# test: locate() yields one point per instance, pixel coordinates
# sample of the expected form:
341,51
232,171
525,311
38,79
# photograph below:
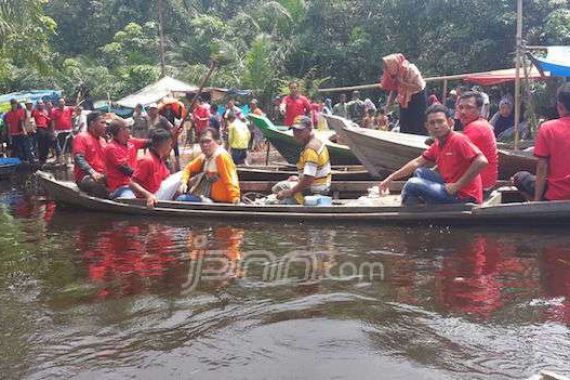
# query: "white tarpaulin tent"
154,92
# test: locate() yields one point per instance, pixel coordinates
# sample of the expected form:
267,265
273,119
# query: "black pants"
44,142
412,118
96,189
525,183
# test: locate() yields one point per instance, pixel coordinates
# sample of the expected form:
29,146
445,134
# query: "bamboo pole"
444,95
161,39
377,86
517,72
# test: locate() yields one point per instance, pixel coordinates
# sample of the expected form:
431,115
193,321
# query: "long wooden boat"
280,173
379,150
492,212
282,139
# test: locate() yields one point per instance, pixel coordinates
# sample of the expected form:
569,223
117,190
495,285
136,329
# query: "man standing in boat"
294,104
480,132
552,148
459,163
314,166
88,157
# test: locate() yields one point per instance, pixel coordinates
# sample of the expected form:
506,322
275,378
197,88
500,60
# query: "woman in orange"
212,175
404,79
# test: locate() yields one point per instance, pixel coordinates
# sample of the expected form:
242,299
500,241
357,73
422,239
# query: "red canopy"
491,78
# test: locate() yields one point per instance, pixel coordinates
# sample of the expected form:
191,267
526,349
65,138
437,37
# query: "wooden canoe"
280,173
493,212
379,150
282,139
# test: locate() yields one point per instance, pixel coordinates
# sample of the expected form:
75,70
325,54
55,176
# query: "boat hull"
387,150
283,141
538,213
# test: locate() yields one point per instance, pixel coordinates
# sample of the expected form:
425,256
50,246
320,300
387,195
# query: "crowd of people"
112,169
32,130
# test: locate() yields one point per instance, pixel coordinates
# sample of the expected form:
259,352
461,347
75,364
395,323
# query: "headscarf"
401,76
369,105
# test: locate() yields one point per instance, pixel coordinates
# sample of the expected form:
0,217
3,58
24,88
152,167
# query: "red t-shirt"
553,143
295,107
453,158
117,155
14,121
480,132
150,172
62,118
91,148
204,113
41,117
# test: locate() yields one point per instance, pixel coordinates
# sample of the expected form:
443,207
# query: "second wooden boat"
379,150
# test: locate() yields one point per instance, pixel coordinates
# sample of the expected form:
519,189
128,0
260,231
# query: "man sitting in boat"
480,132
212,175
459,163
151,170
121,159
314,166
89,163
552,148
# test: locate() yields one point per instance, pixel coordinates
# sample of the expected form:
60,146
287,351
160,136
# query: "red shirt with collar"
116,155
91,148
62,118
480,132
553,143
41,117
453,158
201,112
150,172
14,121
295,107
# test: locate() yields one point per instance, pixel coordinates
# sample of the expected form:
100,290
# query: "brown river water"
87,295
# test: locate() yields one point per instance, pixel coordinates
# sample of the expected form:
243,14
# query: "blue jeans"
427,186
123,192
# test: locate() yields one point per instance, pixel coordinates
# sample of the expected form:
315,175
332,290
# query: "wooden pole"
517,72
376,86
161,39
444,95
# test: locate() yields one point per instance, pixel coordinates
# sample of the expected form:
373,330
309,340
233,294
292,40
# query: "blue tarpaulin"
32,95
557,61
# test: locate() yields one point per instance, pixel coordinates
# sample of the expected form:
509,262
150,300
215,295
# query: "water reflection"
96,295
555,278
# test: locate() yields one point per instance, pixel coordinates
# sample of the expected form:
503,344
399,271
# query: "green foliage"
111,46
557,27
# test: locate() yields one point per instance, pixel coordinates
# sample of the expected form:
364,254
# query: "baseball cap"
152,105
301,122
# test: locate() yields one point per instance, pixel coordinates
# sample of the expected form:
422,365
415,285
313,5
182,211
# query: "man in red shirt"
459,163
62,124
294,104
480,132
201,116
552,148
121,159
41,116
14,120
152,170
89,168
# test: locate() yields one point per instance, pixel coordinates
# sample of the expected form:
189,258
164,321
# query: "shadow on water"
92,295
